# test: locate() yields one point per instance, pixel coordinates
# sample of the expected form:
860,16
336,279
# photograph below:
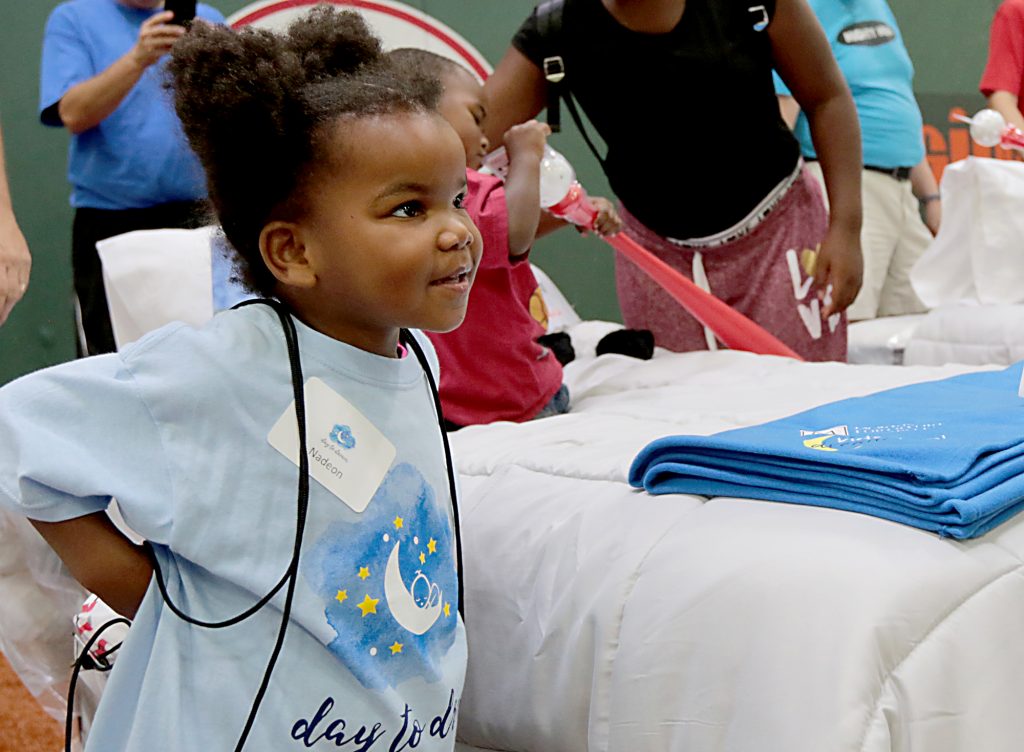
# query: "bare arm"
805,62
89,103
516,92
101,558
15,261
525,144
926,189
1007,105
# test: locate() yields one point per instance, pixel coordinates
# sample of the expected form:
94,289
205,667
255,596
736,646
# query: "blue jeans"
559,404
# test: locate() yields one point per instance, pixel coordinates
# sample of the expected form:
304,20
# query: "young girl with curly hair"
340,188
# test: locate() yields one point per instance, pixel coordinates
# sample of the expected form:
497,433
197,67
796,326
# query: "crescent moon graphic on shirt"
403,605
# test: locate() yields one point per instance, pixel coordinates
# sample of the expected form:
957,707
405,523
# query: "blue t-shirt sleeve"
76,435
66,62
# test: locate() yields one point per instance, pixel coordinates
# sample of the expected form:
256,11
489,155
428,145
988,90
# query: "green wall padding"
947,40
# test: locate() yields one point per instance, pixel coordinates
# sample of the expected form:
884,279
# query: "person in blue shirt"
897,181
340,189
129,166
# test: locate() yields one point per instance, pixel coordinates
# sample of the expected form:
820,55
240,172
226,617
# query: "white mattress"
881,341
600,618
968,333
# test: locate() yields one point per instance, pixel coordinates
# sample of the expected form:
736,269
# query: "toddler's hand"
526,140
608,221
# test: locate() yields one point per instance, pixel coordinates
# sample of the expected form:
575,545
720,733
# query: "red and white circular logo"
397,24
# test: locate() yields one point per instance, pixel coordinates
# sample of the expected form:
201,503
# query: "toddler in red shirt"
492,367
1003,80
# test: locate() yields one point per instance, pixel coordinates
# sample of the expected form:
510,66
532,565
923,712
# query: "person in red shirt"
492,367
1003,80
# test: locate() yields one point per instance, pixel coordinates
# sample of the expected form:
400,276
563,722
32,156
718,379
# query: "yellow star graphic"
432,546
423,558
447,609
396,648
399,523
342,596
364,572
368,606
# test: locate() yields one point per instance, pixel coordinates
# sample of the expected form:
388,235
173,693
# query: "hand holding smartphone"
184,11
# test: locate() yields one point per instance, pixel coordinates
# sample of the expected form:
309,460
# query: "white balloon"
987,128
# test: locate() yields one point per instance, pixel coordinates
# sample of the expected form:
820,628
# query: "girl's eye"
460,200
408,209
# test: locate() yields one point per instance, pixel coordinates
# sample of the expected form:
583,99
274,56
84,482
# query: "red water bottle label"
1012,138
575,208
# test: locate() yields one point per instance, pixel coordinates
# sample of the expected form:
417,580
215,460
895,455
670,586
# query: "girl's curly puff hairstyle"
259,107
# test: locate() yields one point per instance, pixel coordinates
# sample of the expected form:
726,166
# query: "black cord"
302,503
422,358
83,656
292,342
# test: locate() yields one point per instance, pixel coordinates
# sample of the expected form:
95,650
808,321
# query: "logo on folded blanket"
843,437
819,439
388,582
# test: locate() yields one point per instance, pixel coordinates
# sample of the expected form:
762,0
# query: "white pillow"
561,314
971,334
154,277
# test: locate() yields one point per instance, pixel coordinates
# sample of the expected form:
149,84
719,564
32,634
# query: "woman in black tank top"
691,83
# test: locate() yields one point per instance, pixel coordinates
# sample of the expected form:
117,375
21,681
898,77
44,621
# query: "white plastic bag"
978,255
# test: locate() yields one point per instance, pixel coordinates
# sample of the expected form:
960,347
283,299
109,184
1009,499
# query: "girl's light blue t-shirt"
175,427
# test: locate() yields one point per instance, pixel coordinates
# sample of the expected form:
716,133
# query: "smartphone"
184,11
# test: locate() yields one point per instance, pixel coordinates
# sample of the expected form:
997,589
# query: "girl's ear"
284,253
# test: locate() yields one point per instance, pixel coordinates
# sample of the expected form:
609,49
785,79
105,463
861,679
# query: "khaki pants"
892,239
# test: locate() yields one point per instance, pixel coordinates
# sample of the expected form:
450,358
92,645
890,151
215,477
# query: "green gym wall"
947,40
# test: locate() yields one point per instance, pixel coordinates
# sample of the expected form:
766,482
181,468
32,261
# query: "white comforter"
601,618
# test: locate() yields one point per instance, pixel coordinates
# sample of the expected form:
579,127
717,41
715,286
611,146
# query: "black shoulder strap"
549,25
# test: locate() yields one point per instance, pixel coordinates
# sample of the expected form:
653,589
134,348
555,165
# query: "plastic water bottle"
560,193
989,128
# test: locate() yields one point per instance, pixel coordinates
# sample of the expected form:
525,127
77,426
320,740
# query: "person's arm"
516,92
1007,105
525,145
926,190
805,62
89,103
15,260
101,558
1004,69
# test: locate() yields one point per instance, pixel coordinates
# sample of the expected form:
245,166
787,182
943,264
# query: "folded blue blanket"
946,456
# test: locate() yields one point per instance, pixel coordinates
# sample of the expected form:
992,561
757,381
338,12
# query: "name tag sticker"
348,455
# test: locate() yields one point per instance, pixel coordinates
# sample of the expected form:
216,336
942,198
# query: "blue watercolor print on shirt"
388,583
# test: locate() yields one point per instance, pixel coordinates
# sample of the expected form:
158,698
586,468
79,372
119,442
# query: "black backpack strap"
549,24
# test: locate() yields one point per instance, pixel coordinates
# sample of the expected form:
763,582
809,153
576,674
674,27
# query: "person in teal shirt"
897,180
